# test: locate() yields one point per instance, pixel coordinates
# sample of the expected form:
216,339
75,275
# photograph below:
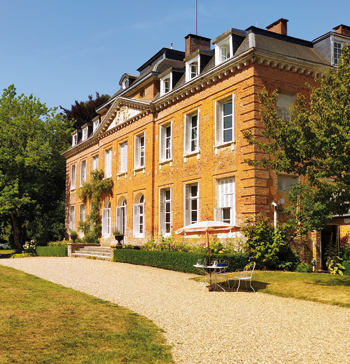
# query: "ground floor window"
121,216
106,218
225,201
165,211
191,203
139,215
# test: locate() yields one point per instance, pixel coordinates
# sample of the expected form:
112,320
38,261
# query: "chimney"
195,42
279,26
342,29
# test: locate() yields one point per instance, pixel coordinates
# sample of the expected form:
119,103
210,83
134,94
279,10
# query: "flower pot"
119,238
74,238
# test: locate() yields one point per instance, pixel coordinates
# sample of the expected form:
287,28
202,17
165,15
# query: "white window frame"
85,133
74,139
108,163
96,123
121,211
226,199
163,84
188,133
82,215
166,142
106,218
283,103
73,176
219,53
189,199
336,52
83,166
123,157
219,120
140,151
72,217
139,217
165,210
189,68
95,162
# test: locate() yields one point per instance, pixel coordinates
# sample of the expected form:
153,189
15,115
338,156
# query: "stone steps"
94,252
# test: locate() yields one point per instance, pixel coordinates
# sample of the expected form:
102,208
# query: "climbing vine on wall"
94,191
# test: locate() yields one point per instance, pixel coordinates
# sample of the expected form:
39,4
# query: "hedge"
346,264
51,251
180,262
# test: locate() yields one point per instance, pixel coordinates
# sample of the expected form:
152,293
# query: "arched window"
106,218
139,215
121,215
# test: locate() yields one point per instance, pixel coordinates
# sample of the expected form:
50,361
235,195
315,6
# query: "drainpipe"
274,215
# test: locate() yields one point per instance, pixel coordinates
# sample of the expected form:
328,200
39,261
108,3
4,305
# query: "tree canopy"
314,143
32,169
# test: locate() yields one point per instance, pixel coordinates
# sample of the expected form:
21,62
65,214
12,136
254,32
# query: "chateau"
171,136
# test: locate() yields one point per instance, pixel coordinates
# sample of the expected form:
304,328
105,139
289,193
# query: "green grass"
7,252
41,322
317,287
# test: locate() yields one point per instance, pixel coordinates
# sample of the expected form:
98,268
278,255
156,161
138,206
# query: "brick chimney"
342,29
279,26
195,42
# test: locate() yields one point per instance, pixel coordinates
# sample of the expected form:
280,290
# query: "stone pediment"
123,114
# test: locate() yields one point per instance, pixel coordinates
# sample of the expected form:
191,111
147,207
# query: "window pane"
194,190
228,109
228,135
228,122
194,216
167,195
226,215
194,204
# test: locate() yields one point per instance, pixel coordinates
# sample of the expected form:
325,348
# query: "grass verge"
41,322
317,287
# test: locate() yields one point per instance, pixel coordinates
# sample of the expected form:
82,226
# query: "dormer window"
96,124
125,83
75,140
192,68
166,84
85,133
223,50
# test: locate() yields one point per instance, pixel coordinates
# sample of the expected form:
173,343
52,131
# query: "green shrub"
51,251
346,265
58,243
303,267
177,261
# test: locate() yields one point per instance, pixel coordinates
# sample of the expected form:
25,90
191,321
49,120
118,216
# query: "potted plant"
118,236
73,235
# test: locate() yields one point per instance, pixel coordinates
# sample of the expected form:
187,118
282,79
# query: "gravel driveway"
208,327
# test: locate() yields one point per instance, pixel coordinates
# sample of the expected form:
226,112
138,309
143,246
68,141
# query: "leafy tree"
314,144
84,111
32,169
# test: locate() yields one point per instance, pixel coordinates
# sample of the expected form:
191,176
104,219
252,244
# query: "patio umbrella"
207,227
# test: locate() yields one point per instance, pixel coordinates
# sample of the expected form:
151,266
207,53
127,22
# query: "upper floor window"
73,177
165,211
82,172
192,132
85,133
123,157
166,142
108,163
106,218
225,120
192,68
166,84
191,203
140,151
139,216
283,103
223,50
225,201
95,162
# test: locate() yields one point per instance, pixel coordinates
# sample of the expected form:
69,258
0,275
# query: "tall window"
165,142
106,218
225,201
108,163
82,210
123,157
95,162
140,151
165,211
283,103
191,203
72,217
139,214
225,120
82,172
73,177
121,216
192,133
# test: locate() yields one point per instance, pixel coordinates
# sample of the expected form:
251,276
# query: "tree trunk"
16,232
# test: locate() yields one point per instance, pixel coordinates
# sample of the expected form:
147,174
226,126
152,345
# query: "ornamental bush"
51,251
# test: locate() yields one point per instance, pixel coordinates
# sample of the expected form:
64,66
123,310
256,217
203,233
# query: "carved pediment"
122,114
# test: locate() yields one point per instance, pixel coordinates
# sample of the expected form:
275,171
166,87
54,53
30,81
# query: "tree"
32,169
314,143
84,111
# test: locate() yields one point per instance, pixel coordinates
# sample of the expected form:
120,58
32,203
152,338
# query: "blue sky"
64,50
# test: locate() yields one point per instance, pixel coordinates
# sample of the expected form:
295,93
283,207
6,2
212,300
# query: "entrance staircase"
94,252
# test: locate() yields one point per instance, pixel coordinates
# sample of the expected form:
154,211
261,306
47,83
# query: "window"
166,84
191,203
223,50
72,217
106,218
95,125
165,211
74,140
337,46
283,103
108,163
225,121
192,68
139,213
166,142
192,133
225,201
82,210
73,177
95,162
82,172
85,133
284,186
140,151
121,216
123,157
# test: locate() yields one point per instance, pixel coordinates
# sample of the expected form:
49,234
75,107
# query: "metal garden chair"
245,275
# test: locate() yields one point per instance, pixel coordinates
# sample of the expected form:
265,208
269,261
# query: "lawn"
41,322
318,287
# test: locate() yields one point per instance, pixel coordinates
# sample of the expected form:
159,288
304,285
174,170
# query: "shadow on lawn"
244,287
331,283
